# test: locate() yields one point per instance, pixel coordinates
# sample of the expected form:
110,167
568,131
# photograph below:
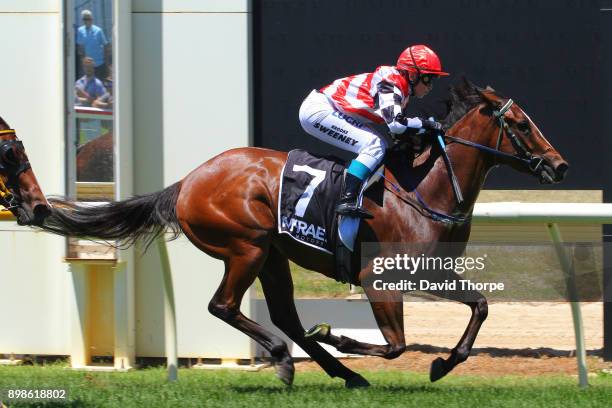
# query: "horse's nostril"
561,170
41,212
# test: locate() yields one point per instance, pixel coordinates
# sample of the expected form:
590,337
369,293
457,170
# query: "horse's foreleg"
478,304
277,285
240,272
388,312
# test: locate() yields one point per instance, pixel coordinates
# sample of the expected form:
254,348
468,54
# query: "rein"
433,214
523,156
503,125
486,149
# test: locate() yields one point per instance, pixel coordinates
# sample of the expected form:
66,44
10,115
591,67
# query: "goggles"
428,79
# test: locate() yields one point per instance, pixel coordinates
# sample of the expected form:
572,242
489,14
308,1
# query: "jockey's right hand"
430,124
408,125
413,124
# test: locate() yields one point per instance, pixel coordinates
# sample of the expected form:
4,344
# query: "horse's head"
519,136
19,189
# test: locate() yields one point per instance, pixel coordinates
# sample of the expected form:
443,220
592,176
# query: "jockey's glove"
430,124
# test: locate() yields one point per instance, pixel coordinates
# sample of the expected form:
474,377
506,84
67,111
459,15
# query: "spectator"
108,80
106,101
91,42
88,88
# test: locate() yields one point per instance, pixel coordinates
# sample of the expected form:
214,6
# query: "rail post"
570,280
169,311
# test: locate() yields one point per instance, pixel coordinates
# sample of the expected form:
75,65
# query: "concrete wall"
191,102
33,86
36,288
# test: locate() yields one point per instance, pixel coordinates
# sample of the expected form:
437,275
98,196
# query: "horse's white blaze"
536,126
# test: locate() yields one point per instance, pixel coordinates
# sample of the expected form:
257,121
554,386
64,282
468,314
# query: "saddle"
310,188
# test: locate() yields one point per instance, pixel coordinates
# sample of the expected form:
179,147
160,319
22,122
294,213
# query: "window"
91,85
90,119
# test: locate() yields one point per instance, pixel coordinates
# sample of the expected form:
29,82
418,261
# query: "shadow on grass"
506,352
334,389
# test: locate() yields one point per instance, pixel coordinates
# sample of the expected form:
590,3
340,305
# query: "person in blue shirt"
91,42
88,88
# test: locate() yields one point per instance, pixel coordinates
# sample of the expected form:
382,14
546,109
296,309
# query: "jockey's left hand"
413,138
416,142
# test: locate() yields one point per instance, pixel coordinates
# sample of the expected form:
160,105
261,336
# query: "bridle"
523,155
519,146
13,168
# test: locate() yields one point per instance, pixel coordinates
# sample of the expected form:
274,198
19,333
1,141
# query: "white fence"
552,214
517,212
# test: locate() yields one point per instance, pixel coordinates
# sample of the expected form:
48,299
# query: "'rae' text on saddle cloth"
310,187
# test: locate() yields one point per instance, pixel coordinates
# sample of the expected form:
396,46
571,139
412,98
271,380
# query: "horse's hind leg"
387,307
277,285
478,304
241,270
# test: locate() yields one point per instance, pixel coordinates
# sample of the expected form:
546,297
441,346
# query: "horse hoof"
318,332
356,381
437,370
285,371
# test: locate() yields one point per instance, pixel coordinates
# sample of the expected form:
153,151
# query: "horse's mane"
464,96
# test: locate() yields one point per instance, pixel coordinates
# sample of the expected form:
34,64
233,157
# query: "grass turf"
148,388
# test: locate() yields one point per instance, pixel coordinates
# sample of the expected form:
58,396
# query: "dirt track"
480,364
509,325
517,338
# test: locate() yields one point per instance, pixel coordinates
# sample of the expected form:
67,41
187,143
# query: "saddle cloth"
309,190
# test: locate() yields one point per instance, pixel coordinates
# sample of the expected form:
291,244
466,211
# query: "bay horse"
20,192
227,208
94,159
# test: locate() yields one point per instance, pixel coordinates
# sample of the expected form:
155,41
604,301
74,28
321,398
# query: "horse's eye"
523,126
8,155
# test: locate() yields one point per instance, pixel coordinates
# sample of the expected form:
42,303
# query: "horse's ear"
481,92
488,95
466,86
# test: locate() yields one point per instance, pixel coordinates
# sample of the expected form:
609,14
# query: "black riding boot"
348,204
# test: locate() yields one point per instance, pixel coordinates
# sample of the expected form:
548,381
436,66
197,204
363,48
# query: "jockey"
337,114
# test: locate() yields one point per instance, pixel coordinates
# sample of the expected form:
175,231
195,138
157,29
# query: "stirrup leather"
353,210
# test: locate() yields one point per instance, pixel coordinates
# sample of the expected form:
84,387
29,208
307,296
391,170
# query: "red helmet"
420,59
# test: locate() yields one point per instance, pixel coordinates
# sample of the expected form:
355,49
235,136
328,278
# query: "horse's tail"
144,216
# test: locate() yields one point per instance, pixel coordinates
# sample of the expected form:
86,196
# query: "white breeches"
320,119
